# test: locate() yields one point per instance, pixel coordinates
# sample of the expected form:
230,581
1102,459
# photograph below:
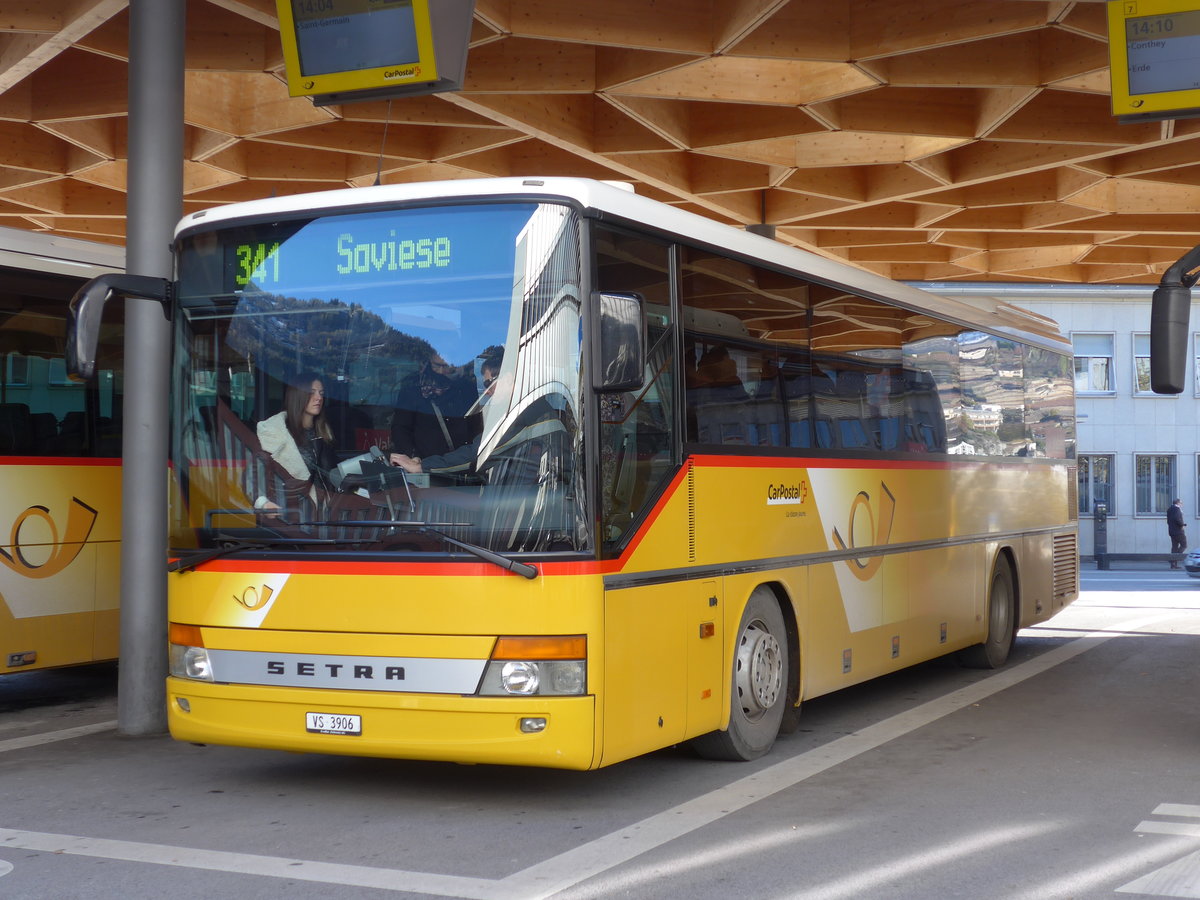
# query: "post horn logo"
879,529
80,519
252,598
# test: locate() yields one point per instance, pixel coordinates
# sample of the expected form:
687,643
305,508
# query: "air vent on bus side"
691,498
1066,566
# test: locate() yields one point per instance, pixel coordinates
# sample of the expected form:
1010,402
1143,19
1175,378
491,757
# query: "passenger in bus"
462,457
431,411
299,438
716,399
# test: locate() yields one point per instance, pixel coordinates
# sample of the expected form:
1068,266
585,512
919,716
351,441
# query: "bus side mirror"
1168,338
1169,313
622,340
87,310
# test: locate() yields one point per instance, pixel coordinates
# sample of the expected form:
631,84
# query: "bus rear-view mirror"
622,342
87,310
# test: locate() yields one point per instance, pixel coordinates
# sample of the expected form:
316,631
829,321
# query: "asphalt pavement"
1070,773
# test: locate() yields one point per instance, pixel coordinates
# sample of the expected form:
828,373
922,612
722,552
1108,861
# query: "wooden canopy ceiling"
922,139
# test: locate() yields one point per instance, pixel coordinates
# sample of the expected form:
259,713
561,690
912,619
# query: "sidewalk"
1131,562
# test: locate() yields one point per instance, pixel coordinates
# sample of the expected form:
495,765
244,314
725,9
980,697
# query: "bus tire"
758,684
1002,622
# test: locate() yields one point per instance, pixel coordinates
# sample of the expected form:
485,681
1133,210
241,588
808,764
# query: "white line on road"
1180,878
605,853
49,737
1178,809
574,866
249,864
1186,828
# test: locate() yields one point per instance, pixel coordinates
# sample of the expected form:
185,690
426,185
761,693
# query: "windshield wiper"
509,565
236,545
483,553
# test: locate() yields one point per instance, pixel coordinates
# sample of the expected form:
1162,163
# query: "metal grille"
1066,565
691,495
1073,494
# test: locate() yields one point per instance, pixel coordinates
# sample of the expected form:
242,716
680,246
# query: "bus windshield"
392,381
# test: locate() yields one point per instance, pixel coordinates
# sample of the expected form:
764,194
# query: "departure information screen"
1163,52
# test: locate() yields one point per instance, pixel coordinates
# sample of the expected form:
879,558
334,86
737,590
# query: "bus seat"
108,437
823,428
45,431
889,433
852,435
72,436
16,429
799,434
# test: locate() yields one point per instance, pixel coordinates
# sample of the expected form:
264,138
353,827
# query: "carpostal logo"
402,72
787,494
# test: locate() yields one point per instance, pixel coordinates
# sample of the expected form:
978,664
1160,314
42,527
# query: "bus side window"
637,432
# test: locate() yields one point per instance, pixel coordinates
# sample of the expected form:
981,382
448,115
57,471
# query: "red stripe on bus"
420,569
776,462
59,461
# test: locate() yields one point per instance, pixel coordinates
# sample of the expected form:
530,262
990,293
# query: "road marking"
1180,878
49,737
5,868
614,849
1177,809
605,853
249,864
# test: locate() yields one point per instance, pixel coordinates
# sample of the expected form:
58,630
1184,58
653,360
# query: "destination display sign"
340,51
1154,50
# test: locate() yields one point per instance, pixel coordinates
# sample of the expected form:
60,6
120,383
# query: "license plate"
332,723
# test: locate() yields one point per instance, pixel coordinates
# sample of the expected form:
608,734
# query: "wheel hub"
759,670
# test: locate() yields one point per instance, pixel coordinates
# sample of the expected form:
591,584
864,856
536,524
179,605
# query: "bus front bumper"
450,728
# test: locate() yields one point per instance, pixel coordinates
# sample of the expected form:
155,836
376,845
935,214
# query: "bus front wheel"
1002,622
758,689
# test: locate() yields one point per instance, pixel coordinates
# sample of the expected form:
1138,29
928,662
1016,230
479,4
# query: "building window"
18,370
1154,483
1196,508
1141,364
1196,370
1093,363
1096,472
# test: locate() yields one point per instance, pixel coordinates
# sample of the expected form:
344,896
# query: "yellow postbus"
60,459
606,476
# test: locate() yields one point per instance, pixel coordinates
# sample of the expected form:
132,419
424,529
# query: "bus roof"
42,252
617,200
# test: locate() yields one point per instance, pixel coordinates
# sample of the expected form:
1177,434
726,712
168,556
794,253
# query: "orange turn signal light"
542,647
185,635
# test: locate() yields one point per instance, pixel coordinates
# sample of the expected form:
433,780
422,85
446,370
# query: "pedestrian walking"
1177,529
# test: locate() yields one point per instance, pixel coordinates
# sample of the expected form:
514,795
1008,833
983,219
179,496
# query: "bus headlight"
547,665
189,658
529,678
190,662
520,677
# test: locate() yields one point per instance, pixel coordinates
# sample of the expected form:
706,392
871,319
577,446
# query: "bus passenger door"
707,673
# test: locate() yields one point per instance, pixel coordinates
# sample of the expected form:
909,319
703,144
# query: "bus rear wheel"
1002,622
758,689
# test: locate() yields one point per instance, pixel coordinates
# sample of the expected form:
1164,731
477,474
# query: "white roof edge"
996,317
44,252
